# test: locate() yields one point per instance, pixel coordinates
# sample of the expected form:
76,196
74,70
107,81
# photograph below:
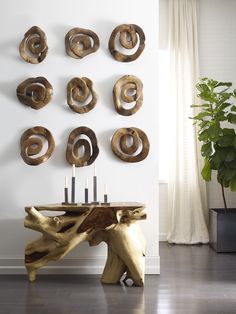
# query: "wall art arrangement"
81,42
128,144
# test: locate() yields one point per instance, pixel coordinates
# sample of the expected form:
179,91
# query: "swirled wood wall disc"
137,151
81,42
32,144
128,89
33,48
76,141
130,35
35,92
79,90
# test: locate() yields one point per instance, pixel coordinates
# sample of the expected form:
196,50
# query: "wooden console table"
115,224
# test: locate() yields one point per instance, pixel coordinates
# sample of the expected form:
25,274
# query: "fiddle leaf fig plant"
216,131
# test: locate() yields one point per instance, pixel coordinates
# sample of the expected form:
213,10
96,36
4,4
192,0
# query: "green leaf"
201,115
199,106
232,164
228,84
208,96
224,106
227,131
206,149
216,160
230,155
206,171
203,136
233,184
202,124
203,87
225,173
214,131
226,141
231,118
224,96
233,108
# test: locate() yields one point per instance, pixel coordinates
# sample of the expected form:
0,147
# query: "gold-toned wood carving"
76,142
130,144
35,92
130,35
81,42
33,48
116,225
128,89
32,142
79,91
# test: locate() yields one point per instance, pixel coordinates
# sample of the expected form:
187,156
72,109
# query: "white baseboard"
78,266
162,237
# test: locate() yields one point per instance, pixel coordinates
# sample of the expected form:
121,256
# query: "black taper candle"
66,195
73,190
95,188
105,198
86,195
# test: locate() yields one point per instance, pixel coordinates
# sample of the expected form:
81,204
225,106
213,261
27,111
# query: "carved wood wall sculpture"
130,35
35,92
137,151
76,141
32,142
33,48
80,90
128,89
81,42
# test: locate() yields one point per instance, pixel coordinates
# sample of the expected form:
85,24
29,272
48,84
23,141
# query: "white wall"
217,51
23,185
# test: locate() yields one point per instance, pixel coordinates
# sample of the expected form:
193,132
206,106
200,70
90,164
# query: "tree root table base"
115,224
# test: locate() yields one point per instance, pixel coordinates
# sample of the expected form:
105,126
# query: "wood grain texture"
35,92
32,142
128,90
115,225
76,141
129,35
33,47
138,149
81,42
79,91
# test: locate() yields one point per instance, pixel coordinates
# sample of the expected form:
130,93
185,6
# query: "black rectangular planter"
223,229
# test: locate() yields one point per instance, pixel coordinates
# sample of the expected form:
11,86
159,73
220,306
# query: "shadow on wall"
9,89
13,237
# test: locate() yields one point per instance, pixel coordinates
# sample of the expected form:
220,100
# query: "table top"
79,207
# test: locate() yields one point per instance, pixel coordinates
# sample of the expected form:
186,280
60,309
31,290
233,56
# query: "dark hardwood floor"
194,279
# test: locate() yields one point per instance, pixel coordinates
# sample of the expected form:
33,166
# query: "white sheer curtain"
187,202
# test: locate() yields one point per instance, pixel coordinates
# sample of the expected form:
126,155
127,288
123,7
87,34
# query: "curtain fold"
187,201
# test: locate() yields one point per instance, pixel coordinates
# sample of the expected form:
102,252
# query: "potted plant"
216,132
